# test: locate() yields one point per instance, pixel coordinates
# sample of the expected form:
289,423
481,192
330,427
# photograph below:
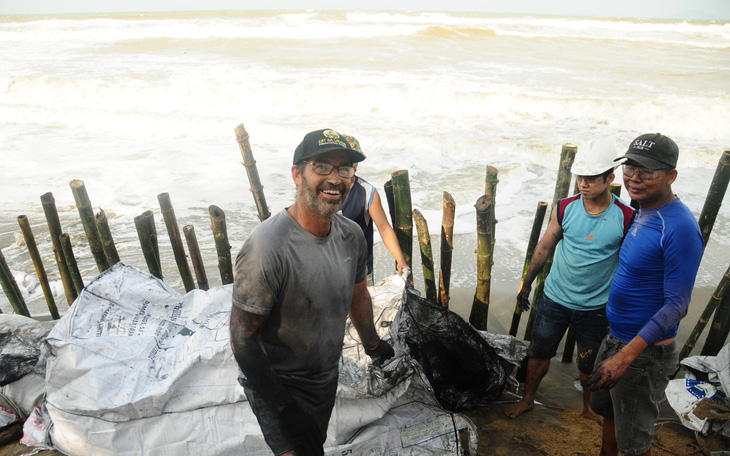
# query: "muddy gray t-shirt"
304,284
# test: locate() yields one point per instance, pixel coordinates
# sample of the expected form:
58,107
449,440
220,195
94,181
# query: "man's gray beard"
318,205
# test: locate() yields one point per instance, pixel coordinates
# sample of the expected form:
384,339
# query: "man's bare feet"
515,410
589,414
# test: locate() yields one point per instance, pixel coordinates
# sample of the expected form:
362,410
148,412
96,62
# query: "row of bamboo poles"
398,196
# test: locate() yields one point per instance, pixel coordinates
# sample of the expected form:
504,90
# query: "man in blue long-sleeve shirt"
650,294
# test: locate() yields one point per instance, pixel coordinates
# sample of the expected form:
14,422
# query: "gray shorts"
318,404
633,403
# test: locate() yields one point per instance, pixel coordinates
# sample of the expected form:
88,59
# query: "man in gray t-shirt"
297,278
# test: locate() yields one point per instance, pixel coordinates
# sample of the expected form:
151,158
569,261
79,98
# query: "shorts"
318,404
552,320
633,403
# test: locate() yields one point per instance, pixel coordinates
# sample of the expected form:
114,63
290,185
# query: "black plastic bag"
463,369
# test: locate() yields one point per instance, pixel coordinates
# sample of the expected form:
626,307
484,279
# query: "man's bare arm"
245,328
361,315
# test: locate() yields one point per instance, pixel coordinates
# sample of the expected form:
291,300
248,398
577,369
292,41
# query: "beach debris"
700,398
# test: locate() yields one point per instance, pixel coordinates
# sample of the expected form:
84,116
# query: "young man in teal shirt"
587,229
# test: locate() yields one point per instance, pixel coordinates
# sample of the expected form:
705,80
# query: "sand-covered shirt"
304,284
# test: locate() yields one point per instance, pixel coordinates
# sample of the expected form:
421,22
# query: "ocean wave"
456,32
332,25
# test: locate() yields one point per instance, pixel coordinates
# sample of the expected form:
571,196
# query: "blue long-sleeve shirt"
658,263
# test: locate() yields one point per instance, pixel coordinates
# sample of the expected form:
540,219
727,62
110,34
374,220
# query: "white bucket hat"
598,159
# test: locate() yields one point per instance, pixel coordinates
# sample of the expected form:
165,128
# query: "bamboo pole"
38,264
721,321
388,189
105,237
54,228
253,175
86,212
149,220
447,249
11,289
531,244
715,195
615,188
148,240
567,156
485,235
73,267
424,240
220,235
490,190
403,222
168,214
719,329
195,257
715,300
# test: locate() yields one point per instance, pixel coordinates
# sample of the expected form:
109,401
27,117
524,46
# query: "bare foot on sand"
589,414
515,410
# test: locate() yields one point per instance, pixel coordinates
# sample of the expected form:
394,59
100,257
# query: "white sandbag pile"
136,368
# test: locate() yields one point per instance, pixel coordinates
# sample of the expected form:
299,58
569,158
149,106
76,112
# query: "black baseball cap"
327,140
653,151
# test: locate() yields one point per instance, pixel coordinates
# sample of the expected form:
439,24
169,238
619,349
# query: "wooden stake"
195,257
721,322
485,235
168,213
73,267
86,212
220,235
447,249
403,222
148,240
715,300
531,244
715,195
54,228
253,175
388,189
424,240
615,188
38,264
11,289
105,238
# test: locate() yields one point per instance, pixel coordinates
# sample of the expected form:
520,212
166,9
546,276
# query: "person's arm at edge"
377,213
361,315
245,328
553,234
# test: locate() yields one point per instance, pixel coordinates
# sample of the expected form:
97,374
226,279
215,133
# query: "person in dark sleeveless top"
364,206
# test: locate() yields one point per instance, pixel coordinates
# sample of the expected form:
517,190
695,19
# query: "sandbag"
20,347
462,368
